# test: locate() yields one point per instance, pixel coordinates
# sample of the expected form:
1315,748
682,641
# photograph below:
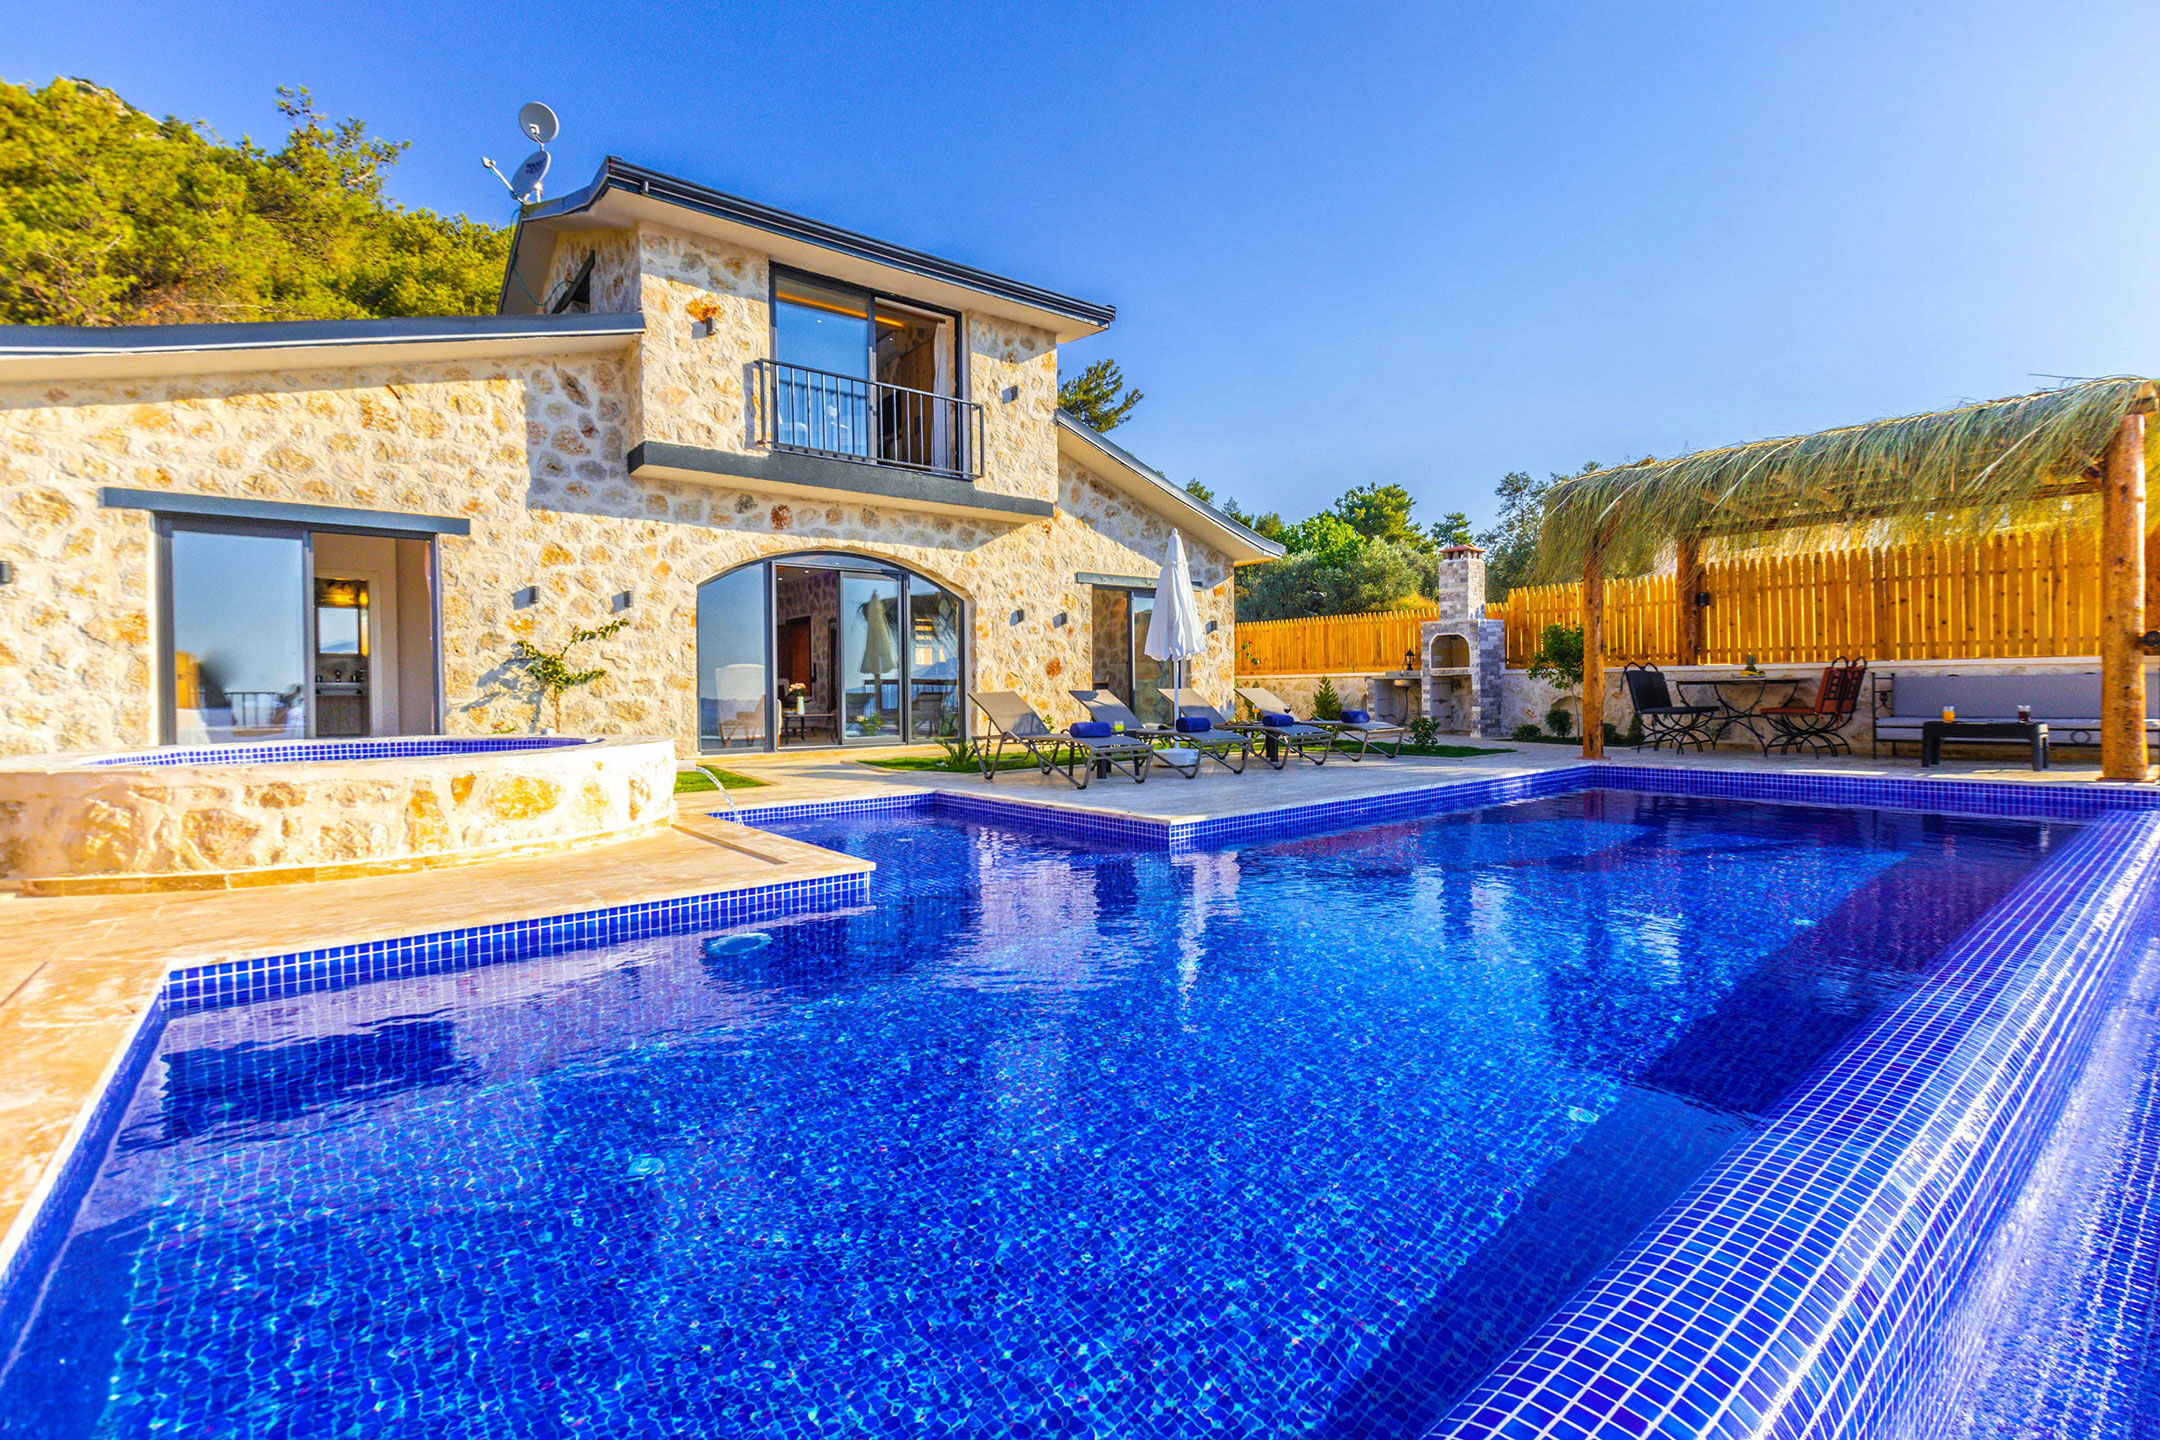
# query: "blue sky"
1425,245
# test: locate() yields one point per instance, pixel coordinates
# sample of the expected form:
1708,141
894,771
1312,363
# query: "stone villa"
820,479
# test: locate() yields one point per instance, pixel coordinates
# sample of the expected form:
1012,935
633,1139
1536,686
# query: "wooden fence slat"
2027,593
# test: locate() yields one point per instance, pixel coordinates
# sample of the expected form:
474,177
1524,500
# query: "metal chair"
1818,726
1683,725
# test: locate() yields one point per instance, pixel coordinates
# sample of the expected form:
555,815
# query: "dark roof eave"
1075,425
56,341
617,173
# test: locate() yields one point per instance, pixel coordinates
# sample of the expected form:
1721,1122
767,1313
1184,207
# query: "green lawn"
690,782
945,764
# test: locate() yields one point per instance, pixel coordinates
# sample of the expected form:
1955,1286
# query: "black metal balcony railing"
849,418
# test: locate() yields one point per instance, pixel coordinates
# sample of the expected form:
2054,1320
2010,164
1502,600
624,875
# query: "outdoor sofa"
2067,702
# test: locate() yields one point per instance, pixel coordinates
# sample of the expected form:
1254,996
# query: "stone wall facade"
531,450
182,826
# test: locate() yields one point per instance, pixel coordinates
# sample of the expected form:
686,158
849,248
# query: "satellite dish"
527,177
537,123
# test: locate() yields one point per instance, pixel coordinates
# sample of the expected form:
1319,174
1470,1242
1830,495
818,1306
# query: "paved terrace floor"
833,775
79,970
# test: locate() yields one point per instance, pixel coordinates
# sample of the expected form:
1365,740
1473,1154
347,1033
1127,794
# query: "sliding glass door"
870,662
240,628
818,650
733,628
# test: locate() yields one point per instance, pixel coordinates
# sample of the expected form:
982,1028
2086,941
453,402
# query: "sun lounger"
1077,754
1216,745
1356,725
1284,734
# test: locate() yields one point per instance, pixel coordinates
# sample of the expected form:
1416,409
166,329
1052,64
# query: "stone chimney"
1462,583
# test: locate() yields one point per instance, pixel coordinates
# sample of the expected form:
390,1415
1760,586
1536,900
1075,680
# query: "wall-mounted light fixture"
1702,597
1057,621
621,600
7,572
1017,617
1009,394
526,598
1211,626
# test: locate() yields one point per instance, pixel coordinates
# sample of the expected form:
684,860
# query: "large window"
864,376
274,632
812,650
1122,667
732,631
239,635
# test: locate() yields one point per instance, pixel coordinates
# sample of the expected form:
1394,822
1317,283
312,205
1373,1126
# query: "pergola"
1973,468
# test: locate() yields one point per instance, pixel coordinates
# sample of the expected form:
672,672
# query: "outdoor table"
1744,710
797,724
2033,733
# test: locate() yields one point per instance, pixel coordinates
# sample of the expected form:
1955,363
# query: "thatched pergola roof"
1969,467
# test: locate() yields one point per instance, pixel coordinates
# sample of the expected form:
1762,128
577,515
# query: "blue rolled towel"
1193,725
1277,720
1357,717
1093,729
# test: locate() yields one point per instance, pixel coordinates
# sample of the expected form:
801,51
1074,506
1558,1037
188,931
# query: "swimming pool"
1049,1137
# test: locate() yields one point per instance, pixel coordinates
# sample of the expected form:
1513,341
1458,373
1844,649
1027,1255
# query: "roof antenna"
538,124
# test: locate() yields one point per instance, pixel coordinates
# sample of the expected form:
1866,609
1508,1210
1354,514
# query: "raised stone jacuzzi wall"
215,817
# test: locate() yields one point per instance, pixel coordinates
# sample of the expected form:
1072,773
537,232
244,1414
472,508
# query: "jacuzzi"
211,816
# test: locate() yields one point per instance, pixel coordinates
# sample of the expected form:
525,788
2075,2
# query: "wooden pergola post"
1687,585
2122,603
1593,652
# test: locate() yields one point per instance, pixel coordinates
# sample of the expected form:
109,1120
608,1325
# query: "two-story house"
821,480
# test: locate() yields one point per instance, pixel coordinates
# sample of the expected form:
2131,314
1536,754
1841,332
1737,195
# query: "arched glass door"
819,650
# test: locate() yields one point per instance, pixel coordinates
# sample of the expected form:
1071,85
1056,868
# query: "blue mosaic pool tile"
289,752
2000,799
1796,1290
2008,799
266,977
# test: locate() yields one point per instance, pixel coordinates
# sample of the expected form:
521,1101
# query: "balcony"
868,422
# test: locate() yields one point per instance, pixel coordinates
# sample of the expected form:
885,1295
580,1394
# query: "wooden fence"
1331,644
2000,597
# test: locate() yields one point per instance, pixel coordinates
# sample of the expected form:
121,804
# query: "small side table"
2032,733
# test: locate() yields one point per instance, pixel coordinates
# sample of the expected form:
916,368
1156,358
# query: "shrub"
1338,579
550,672
1326,704
1424,731
1527,732
1559,658
1559,721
